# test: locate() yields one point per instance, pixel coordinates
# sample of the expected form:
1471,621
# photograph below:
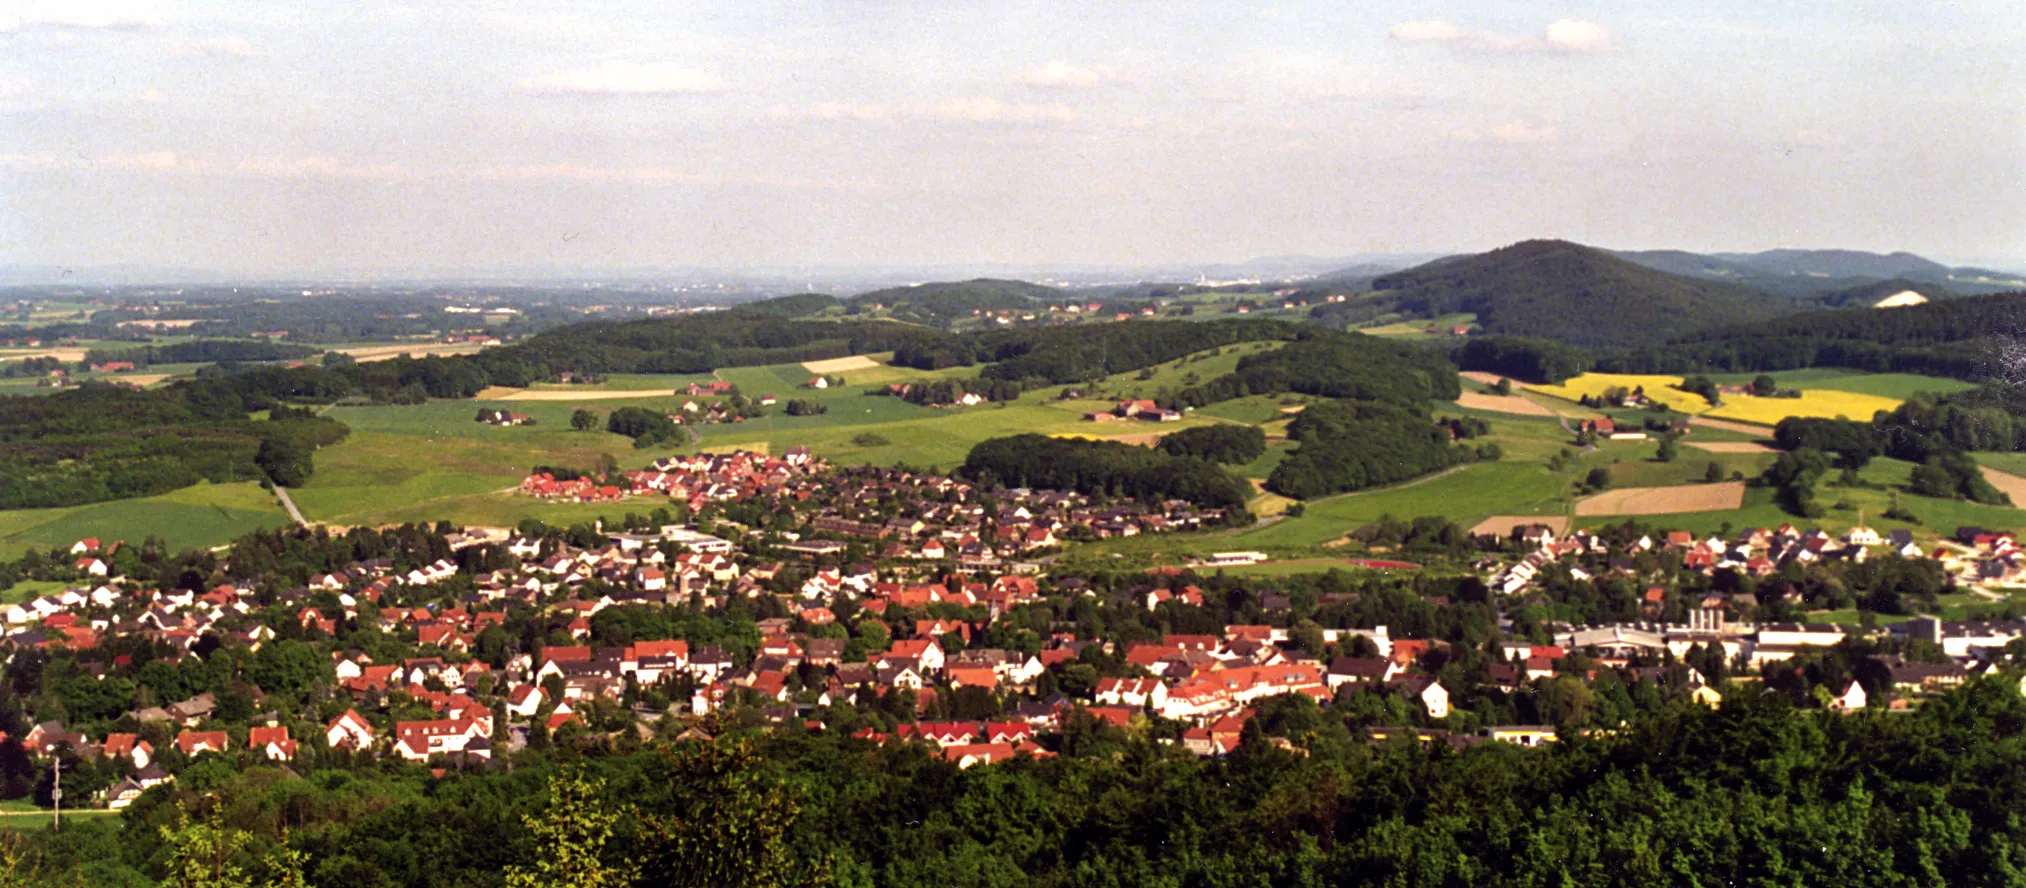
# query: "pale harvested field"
1665,500
144,379
752,446
2011,484
1483,377
1729,425
1502,525
366,354
840,365
1141,439
69,355
1733,446
1505,404
502,393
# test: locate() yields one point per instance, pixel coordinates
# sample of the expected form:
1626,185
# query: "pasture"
202,515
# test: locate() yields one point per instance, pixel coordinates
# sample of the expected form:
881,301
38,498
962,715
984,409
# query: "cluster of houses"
930,541
490,416
1757,552
1136,409
905,514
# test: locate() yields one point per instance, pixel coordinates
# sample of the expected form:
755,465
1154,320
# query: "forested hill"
699,343
1869,295
1575,294
1959,338
796,306
937,303
1087,351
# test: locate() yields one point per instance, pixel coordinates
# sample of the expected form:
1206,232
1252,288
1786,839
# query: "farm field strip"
501,393
1733,446
1502,404
2013,485
1664,500
1815,403
1502,525
841,365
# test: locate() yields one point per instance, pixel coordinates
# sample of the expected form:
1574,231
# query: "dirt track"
1665,500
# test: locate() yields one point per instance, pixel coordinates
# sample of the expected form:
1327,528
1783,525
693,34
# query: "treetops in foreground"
1755,792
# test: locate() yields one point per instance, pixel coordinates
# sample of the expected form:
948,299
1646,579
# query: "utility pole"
56,794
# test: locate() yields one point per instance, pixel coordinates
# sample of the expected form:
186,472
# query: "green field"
1939,518
26,589
23,815
2014,463
434,460
204,515
1899,386
1419,329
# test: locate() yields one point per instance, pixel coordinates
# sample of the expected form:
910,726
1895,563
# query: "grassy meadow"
203,515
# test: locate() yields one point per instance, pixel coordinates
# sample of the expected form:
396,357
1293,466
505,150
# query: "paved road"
282,493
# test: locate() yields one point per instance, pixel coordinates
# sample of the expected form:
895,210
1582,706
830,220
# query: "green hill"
949,301
1868,295
1575,294
796,306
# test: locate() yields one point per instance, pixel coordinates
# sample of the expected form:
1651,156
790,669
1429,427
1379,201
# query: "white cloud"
1060,74
1522,131
626,79
990,110
1465,134
1578,36
1566,36
18,95
81,14
977,109
233,47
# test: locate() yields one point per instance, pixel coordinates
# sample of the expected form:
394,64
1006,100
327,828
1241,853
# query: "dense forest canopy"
1352,445
1957,339
1755,792
1084,352
1337,365
101,442
1104,468
201,351
1574,294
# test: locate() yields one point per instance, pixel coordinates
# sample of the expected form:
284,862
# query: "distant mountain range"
1802,274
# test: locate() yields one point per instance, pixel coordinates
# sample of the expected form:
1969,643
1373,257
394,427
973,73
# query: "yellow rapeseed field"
1658,388
1822,403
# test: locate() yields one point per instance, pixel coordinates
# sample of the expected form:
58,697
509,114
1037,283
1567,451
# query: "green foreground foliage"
1756,792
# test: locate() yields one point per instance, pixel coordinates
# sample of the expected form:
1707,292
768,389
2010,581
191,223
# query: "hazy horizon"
302,139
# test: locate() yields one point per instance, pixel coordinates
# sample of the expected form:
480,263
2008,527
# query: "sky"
282,138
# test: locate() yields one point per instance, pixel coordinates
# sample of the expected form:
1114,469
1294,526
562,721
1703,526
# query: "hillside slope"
947,301
1575,294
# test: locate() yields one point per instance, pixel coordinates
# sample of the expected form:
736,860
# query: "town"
900,607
